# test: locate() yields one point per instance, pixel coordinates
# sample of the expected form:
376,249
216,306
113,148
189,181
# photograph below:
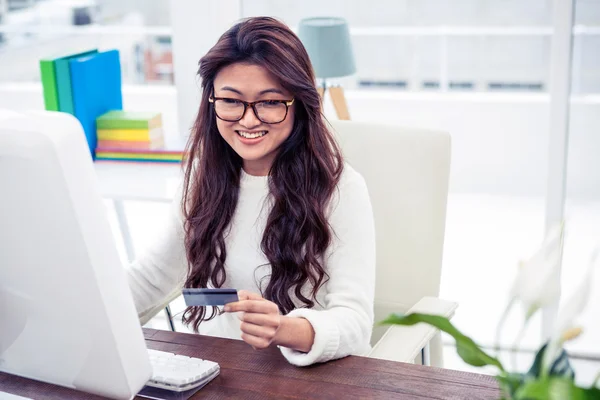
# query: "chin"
251,156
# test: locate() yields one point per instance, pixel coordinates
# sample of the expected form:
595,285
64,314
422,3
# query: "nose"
249,119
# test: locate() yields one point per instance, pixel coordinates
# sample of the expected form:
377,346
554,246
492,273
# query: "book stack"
85,85
132,136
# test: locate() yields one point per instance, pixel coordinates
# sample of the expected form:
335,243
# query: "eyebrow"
271,90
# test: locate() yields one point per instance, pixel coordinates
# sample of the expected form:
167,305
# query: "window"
32,30
472,45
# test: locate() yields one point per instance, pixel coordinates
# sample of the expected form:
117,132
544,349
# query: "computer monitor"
66,312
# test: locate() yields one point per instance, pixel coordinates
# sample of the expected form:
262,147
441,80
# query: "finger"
253,306
247,295
245,305
261,319
243,295
256,342
265,332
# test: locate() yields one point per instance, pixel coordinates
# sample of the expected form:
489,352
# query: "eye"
230,101
271,103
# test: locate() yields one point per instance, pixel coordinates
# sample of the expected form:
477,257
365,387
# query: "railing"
89,30
467,31
444,33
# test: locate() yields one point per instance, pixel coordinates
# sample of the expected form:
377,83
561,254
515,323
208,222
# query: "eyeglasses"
267,111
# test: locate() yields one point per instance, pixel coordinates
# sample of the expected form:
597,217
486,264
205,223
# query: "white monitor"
66,313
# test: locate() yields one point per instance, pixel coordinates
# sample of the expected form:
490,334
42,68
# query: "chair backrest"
407,172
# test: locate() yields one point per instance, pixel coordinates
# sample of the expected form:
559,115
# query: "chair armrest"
404,343
147,315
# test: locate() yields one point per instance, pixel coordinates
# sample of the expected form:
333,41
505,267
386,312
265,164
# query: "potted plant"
550,376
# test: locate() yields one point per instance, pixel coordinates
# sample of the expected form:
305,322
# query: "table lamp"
327,41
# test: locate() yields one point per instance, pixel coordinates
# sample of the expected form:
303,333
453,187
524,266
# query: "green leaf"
561,367
555,389
510,383
592,393
465,346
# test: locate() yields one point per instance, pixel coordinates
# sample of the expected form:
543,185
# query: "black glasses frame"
252,104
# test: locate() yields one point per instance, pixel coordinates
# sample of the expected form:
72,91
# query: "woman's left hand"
260,318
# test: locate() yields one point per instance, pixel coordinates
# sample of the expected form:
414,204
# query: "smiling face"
256,142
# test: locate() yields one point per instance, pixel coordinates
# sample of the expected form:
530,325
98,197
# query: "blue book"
63,81
96,89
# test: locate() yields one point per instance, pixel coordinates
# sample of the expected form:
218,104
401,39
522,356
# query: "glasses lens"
271,112
229,109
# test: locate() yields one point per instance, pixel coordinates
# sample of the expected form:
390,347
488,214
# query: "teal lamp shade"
327,41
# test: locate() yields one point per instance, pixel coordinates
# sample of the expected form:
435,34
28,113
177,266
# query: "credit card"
209,297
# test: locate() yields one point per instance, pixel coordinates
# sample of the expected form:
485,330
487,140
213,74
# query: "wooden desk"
252,374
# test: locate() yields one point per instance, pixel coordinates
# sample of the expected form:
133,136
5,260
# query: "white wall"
499,142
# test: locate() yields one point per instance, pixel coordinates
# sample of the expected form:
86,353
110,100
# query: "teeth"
249,135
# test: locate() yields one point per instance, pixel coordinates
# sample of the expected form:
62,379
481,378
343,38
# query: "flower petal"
536,284
576,302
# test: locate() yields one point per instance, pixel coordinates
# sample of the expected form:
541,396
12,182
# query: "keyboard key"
178,372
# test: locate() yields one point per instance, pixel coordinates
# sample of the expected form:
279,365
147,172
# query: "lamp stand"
337,97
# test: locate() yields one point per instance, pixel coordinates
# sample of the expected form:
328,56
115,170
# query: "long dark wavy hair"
302,179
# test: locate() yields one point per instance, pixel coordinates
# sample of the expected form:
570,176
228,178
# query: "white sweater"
342,319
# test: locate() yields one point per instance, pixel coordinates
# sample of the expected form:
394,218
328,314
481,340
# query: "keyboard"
180,373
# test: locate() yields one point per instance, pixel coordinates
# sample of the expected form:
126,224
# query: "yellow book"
105,154
131,135
120,119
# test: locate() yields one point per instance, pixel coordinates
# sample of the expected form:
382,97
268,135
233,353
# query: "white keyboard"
179,373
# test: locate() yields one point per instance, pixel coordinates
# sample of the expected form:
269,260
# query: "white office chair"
407,172
163,306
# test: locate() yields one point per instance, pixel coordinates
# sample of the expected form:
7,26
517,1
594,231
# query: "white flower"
536,284
576,303
573,306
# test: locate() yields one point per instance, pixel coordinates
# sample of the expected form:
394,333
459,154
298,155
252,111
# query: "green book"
120,119
48,75
63,81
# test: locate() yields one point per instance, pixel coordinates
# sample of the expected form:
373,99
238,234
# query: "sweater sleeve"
162,267
344,326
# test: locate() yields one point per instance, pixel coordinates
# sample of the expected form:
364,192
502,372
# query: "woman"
268,207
